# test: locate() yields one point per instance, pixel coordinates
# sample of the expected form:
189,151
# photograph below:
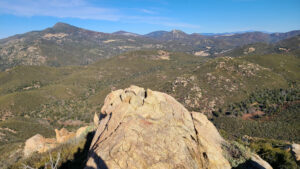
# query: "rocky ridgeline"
142,128
40,144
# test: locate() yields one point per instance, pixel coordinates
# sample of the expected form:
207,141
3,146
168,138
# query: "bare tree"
52,163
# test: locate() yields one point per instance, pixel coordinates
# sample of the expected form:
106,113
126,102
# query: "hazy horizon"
141,17
202,33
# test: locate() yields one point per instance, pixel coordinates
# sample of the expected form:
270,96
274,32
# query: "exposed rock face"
296,151
63,135
96,120
250,50
163,55
38,143
81,131
148,129
201,53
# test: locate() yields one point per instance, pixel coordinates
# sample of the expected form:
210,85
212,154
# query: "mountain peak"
178,34
64,27
121,32
62,24
176,31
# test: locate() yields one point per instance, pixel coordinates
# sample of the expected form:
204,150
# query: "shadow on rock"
80,157
249,164
98,161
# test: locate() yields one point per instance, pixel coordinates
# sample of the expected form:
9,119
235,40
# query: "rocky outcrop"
249,50
254,162
148,129
96,120
201,53
38,143
258,163
296,151
63,135
82,131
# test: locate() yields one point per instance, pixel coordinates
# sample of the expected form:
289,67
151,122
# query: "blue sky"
144,16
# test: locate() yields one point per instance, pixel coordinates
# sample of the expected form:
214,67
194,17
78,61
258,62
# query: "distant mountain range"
64,44
231,33
125,33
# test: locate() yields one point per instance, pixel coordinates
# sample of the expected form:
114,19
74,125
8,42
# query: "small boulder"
38,143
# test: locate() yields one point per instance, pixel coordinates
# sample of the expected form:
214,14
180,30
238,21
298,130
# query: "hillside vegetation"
74,93
251,90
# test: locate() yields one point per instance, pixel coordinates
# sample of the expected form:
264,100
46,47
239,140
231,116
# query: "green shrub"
236,153
278,158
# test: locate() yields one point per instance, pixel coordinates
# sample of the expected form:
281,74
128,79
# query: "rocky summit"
147,129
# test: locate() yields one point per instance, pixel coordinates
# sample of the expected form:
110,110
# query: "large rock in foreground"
148,129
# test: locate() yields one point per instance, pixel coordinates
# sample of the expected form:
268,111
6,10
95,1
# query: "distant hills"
231,33
64,44
125,33
290,45
172,35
